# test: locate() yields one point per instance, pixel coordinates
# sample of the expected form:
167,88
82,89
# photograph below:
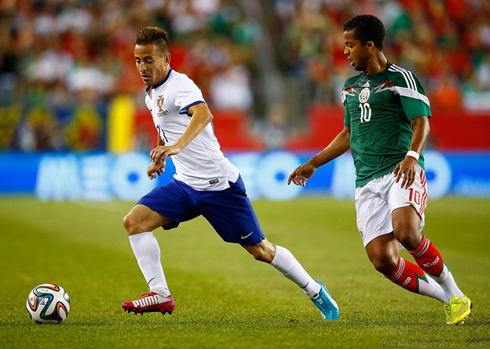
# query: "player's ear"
370,45
167,58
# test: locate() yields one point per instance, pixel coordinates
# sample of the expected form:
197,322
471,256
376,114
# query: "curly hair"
367,28
153,35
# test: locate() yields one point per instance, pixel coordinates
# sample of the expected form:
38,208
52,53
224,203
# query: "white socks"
432,289
446,280
147,253
285,262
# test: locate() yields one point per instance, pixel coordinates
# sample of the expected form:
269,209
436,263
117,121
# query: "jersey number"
161,133
415,195
365,112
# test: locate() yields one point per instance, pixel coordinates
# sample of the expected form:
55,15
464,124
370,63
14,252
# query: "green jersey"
378,109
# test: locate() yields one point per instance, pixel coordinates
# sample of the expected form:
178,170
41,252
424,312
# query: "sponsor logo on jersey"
364,95
161,112
361,232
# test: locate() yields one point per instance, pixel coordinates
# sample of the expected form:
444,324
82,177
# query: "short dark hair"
367,28
153,35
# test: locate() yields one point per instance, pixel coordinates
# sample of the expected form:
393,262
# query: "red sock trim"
401,265
428,257
421,248
407,275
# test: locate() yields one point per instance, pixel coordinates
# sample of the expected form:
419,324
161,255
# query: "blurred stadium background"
73,124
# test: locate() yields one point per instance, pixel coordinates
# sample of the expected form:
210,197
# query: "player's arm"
337,147
156,167
408,167
201,117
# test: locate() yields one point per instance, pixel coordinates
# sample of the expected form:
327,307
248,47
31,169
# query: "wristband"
413,154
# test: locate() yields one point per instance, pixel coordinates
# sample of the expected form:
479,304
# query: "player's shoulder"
179,78
402,76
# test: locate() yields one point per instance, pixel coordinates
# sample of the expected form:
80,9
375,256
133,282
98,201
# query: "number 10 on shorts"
415,196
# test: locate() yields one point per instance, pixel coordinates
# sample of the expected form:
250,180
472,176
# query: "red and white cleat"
150,303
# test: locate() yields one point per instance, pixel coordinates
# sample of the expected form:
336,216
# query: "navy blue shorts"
229,211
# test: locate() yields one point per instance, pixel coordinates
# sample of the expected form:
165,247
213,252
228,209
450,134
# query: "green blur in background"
224,298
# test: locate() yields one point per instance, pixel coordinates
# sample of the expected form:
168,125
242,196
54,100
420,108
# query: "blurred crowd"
445,42
62,62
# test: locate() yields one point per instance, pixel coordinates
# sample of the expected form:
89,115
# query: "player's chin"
147,81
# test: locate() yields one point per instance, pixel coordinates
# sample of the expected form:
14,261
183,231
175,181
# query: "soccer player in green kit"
386,126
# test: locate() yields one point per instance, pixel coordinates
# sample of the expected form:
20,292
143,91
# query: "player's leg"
457,306
151,212
374,222
383,253
408,220
284,261
232,216
140,223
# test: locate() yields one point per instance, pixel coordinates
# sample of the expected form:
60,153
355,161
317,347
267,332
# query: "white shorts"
376,200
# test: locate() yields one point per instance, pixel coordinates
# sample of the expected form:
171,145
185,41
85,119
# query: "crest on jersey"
161,112
364,95
160,103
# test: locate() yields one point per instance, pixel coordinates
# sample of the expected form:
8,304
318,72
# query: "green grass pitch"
224,298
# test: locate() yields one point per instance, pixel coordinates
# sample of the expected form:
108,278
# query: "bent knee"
130,224
385,264
409,237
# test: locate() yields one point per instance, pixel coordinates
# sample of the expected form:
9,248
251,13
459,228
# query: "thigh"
407,227
231,214
170,201
415,196
373,213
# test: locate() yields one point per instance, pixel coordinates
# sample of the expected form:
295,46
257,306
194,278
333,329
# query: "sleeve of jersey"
148,102
412,95
346,115
186,94
344,94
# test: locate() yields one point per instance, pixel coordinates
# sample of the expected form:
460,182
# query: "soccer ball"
48,304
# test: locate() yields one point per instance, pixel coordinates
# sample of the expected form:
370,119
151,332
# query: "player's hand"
154,169
302,173
406,170
160,153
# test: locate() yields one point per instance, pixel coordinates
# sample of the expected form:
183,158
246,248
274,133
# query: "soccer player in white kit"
205,183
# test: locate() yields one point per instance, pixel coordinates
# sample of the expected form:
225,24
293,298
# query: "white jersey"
201,164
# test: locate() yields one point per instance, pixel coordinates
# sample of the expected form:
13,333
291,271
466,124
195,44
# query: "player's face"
152,65
356,52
